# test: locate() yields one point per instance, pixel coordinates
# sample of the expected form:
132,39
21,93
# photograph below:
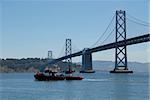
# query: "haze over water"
96,86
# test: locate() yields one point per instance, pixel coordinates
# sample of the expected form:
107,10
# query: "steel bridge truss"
128,42
120,52
68,51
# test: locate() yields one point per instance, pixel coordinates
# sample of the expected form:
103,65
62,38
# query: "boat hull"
87,71
73,78
43,77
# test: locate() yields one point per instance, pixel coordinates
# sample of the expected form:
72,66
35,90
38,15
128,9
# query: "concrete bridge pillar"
86,61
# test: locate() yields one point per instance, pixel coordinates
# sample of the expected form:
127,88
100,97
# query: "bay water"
94,86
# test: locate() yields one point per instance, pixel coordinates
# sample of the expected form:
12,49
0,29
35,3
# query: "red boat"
42,77
53,75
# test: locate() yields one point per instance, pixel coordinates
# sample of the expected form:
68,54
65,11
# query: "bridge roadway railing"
130,41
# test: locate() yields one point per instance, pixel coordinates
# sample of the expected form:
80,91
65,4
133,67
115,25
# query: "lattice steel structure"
49,56
120,52
68,51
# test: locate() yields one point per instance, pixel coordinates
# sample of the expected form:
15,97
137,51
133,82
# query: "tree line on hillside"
28,64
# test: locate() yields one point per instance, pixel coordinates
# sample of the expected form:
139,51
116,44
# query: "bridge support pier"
87,62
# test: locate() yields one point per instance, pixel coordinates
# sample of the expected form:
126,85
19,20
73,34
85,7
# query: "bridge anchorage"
121,52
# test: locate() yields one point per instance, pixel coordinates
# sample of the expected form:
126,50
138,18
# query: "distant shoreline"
32,65
14,70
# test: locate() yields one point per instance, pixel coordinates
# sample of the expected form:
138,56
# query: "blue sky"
29,28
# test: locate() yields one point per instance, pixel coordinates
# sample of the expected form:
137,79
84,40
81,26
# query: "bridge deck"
130,41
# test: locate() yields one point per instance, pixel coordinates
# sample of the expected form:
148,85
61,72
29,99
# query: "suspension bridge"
120,46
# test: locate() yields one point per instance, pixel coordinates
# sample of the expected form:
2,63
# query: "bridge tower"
87,61
120,52
50,56
68,51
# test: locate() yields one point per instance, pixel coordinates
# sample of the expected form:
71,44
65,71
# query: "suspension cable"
137,22
62,51
103,32
138,19
108,35
74,48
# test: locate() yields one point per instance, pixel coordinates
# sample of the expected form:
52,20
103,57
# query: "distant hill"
36,64
29,65
109,65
